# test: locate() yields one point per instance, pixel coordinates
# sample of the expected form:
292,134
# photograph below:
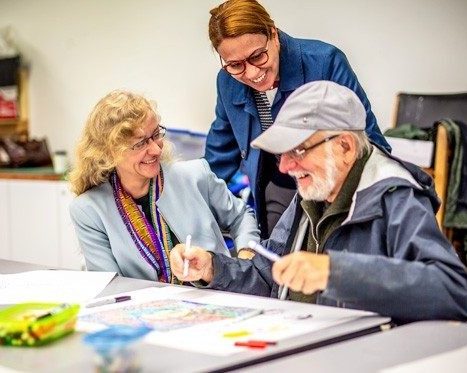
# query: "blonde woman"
134,204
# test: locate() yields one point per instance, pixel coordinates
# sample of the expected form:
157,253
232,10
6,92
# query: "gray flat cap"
315,106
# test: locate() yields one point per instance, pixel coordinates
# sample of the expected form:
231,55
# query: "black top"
143,203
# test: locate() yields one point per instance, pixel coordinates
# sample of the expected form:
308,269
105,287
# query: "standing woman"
261,67
133,204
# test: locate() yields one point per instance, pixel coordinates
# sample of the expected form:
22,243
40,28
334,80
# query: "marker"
53,311
186,262
103,302
273,257
254,344
236,333
269,343
249,315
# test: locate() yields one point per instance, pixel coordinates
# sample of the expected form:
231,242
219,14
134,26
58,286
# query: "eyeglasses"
257,58
299,153
156,136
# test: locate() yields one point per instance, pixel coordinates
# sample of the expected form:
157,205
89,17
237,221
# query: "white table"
71,355
401,345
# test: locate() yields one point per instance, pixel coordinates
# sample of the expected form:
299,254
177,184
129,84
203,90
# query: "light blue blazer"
194,201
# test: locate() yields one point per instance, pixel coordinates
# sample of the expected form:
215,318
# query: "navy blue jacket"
388,256
237,121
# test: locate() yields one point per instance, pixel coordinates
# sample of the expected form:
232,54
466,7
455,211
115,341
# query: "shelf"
19,125
8,121
30,173
9,127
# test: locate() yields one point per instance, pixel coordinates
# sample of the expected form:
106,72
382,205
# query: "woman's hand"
200,263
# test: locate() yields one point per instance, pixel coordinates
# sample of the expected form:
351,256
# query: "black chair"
423,110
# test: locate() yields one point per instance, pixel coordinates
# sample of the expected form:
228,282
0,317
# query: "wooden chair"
423,110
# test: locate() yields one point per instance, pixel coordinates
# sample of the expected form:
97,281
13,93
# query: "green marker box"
36,324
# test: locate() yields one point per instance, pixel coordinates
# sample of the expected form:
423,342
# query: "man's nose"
286,163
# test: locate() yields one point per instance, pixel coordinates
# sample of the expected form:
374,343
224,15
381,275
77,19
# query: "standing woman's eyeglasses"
257,58
156,136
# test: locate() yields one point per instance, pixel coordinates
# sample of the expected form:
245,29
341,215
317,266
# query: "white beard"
321,187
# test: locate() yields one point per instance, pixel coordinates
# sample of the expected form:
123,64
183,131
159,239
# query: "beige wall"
80,50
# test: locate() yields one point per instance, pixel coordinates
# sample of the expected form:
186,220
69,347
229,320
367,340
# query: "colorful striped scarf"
153,242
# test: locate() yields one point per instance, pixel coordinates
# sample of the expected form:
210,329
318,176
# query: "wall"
80,50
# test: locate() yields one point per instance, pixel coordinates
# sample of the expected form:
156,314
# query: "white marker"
186,262
273,257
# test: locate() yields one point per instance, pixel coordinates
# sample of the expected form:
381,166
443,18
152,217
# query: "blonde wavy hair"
107,134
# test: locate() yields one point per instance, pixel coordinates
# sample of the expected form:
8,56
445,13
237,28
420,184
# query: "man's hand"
302,271
200,263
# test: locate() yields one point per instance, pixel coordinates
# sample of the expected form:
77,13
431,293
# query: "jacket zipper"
315,237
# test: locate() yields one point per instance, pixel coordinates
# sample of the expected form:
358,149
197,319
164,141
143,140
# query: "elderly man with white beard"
361,232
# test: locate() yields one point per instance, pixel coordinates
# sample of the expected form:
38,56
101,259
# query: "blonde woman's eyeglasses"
156,136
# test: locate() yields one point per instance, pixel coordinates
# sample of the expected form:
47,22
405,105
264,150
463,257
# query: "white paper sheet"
220,339
278,321
137,296
414,151
52,286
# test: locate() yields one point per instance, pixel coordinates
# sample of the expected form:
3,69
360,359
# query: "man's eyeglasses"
300,152
156,136
258,58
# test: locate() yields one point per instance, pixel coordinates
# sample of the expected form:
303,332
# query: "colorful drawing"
168,315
